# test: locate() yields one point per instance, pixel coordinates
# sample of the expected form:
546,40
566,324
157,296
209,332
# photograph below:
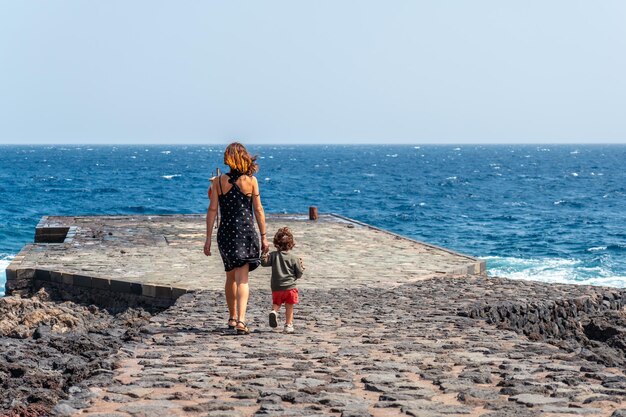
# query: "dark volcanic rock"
588,320
48,346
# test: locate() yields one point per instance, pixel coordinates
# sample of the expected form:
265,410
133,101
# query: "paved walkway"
367,351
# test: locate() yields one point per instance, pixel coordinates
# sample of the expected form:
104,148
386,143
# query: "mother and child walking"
237,196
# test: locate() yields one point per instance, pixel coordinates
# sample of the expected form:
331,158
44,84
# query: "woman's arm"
211,214
259,213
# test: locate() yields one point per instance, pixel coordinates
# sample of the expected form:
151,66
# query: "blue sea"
550,213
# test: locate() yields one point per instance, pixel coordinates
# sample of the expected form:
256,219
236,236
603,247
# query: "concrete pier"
159,258
386,326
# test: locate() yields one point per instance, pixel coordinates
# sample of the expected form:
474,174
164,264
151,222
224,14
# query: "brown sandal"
243,330
232,320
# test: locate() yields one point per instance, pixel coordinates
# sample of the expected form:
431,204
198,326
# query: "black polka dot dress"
237,240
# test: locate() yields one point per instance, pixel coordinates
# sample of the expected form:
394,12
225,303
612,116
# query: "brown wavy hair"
237,157
283,239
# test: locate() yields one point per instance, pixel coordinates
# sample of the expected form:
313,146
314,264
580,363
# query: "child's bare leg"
276,307
288,313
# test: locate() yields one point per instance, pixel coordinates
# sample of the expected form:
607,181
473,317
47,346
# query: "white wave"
166,152
169,177
456,149
614,281
597,248
5,260
574,174
552,270
574,152
556,203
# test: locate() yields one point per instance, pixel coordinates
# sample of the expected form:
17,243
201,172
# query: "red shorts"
287,297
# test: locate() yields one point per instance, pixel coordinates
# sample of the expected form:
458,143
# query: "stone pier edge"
475,267
22,280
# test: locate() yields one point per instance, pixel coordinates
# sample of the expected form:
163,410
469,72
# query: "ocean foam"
552,270
5,260
169,177
597,248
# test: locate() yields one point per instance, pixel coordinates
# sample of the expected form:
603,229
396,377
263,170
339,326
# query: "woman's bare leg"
241,279
230,289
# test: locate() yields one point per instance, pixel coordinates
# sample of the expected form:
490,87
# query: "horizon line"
319,144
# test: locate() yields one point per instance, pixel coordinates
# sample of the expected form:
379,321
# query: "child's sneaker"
273,319
288,328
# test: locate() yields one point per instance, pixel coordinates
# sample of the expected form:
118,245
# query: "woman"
237,195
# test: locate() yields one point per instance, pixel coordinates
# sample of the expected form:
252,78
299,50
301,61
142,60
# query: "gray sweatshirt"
286,269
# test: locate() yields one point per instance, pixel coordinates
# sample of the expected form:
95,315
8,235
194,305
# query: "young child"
286,269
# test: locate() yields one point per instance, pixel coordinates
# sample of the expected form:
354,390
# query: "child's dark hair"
283,239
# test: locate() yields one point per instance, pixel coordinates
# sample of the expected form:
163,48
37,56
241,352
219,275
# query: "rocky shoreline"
49,347
588,320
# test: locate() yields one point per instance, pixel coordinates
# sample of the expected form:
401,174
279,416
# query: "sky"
324,71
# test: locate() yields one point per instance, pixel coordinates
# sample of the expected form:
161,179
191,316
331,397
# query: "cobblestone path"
367,351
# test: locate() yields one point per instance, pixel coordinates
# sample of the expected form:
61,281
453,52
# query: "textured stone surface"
405,349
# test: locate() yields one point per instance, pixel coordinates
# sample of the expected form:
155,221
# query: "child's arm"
266,259
298,268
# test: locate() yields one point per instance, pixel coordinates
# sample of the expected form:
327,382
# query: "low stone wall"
595,322
24,281
113,301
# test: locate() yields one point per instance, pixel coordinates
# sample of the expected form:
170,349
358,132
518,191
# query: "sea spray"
5,260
